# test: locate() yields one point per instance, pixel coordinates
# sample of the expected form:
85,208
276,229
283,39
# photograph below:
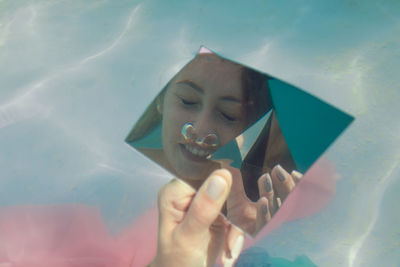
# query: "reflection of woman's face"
208,94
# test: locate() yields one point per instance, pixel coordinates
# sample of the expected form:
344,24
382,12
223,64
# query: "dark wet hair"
256,94
269,150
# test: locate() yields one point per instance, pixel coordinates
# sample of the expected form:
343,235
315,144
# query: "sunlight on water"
75,76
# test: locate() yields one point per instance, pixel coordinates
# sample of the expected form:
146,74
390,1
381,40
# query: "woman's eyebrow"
200,90
231,99
192,84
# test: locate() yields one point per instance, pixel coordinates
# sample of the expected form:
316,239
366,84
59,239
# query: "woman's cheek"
180,117
227,134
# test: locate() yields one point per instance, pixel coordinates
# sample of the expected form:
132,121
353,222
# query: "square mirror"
219,113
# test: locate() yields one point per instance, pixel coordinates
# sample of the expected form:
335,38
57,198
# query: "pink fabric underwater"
72,235
76,236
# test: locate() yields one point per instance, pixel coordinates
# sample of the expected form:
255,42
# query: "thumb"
207,204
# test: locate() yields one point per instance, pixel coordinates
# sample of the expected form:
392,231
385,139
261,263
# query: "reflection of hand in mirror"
283,183
273,189
191,231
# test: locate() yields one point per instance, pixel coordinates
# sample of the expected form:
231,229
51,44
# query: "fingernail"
268,183
297,175
237,247
265,209
216,187
227,262
278,202
281,173
235,252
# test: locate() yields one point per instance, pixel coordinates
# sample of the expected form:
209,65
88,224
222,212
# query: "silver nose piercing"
188,133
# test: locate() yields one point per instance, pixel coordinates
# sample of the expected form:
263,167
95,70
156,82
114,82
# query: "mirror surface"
217,113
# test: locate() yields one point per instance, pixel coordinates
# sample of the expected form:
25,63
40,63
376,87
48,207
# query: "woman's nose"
202,128
189,133
203,124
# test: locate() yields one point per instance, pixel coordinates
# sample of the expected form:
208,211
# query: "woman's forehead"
211,72
212,60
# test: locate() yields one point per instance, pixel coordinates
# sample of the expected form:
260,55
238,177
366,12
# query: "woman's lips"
196,153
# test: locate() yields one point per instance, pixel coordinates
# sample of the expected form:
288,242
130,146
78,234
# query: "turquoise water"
76,75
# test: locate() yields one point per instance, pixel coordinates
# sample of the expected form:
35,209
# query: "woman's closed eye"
229,111
228,117
188,102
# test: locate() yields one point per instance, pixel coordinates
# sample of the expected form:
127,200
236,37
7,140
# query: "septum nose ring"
189,134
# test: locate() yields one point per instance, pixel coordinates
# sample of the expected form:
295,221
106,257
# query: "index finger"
283,182
266,190
173,201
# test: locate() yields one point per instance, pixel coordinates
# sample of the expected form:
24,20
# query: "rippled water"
76,75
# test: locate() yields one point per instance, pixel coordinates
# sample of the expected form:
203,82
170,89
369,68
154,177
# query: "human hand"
241,211
282,183
191,232
273,190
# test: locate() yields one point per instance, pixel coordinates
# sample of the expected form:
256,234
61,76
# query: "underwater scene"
79,188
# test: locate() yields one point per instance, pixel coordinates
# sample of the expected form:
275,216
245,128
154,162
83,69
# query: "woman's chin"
193,174
193,169
195,183
196,176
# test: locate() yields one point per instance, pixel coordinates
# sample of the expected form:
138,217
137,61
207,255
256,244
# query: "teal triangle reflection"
232,151
308,124
151,140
